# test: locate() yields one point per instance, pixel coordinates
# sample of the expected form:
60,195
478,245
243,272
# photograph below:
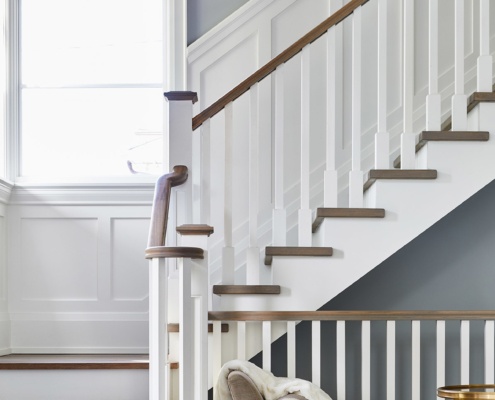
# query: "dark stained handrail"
272,65
161,203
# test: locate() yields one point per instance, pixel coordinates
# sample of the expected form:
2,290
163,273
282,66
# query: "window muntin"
91,78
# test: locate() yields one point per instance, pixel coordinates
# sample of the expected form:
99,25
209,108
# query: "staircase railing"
219,159
366,354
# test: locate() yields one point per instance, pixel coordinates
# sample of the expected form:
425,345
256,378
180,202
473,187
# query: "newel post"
179,146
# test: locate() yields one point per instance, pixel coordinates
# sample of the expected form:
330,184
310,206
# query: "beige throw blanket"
270,387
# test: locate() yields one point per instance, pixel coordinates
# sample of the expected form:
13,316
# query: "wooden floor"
74,361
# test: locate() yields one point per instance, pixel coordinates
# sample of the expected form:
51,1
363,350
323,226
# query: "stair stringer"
360,245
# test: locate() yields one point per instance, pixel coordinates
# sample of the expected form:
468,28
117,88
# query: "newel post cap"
181,96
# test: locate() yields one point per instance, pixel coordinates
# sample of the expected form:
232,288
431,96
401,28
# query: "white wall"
4,320
78,280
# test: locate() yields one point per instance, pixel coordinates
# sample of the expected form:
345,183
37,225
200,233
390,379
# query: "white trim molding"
5,191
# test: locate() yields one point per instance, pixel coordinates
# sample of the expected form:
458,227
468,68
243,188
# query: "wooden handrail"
283,57
349,315
161,202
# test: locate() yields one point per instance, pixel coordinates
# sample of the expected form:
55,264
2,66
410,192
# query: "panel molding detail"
5,191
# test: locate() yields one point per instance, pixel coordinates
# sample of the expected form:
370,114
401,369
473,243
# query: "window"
3,91
91,87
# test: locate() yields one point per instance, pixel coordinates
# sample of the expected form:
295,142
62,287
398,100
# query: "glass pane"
78,42
91,132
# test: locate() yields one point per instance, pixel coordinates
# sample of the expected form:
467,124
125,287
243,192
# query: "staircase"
438,167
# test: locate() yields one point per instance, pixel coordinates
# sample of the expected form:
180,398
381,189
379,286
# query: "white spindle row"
433,99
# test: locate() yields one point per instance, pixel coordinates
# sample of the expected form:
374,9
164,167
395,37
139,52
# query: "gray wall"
202,15
449,267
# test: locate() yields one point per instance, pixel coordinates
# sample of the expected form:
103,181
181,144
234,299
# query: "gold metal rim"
466,392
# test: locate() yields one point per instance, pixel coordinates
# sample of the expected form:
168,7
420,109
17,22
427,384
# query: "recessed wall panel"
129,267
59,259
3,260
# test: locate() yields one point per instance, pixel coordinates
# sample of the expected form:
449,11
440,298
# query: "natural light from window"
91,87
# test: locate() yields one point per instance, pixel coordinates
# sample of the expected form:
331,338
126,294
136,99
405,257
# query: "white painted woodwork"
433,99
330,198
228,254
390,360
186,330
216,357
464,345
356,174
158,337
279,225
305,211
267,345
253,255
340,346
489,352
440,353
382,136
316,352
241,340
408,154
459,100
205,178
416,360
291,349
365,360
484,72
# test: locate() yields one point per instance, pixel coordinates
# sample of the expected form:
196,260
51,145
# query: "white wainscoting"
78,279
4,319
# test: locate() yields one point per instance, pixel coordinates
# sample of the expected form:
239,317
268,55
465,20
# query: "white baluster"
291,349
464,353
408,140
382,136
489,352
459,100
331,176
205,182
390,360
305,214
241,340
341,360
253,252
279,214
159,384
440,353
485,58
267,345
416,360
186,329
433,99
365,360
216,350
228,255
356,175
316,352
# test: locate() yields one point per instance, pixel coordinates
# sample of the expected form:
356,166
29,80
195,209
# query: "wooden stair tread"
375,174
246,289
195,229
272,251
447,136
73,361
174,252
174,328
322,213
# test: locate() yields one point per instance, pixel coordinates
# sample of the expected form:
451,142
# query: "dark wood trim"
174,252
283,57
73,362
174,328
161,203
272,251
348,315
375,174
322,213
246,289
195,229
181,96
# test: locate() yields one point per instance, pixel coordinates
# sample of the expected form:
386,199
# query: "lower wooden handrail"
161,203
349,315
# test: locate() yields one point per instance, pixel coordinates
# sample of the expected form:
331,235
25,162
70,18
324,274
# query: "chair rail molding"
5,191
